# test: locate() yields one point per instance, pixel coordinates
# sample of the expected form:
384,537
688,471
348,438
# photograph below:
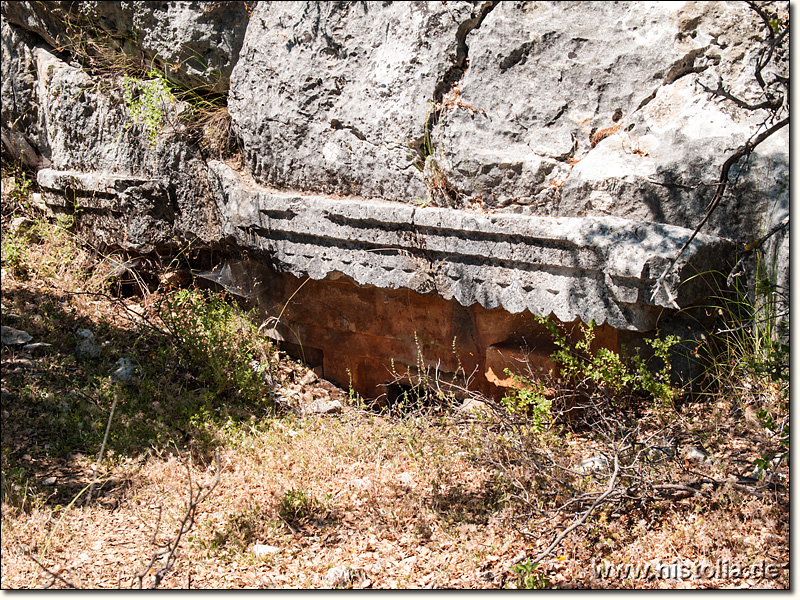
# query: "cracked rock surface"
566,109
334,96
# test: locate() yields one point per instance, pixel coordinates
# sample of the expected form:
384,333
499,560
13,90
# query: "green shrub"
15,256
220,344
615,376
529,400
147,101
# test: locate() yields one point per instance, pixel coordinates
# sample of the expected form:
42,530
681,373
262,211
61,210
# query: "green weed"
528,576
297,507
242,528
529,399
607,373
221,344
747,355
15,256
147,102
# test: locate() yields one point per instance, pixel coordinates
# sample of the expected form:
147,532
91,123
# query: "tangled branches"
771,74
163,559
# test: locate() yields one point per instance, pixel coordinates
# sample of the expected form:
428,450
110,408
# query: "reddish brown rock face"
357,335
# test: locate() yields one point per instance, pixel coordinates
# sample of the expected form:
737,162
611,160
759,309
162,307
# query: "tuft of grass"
148,101
297,507
242,528
746,357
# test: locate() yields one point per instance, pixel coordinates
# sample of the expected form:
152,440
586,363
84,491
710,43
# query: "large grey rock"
325,99
544,76
141,193
541,108
15,337
195,43
21,134
87,346
334,97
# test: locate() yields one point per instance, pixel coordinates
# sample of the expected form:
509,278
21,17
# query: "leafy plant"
607,372
529,399
18,186
528,576
430,164
147,100
221,344
15,256
296,506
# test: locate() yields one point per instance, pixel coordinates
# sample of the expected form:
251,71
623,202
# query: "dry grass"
409,500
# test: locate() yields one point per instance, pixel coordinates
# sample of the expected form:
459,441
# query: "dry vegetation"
426,496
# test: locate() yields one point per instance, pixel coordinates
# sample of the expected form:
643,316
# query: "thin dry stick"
55,576
169,549
585,515
102,447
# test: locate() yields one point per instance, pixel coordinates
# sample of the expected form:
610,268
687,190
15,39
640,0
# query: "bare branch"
743,150
168,551
55,576
585,515
721,91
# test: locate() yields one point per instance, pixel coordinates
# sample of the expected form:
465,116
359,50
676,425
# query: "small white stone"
262,550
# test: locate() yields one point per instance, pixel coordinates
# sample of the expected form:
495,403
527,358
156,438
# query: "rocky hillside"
548,108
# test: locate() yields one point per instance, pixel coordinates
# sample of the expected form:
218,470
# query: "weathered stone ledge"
592,268
93,190
587,268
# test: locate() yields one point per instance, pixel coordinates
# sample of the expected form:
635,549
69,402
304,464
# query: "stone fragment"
22,225
87,346
308,378
343,576
265,550
696,454
37,347
406,478
322,407
471,405
15,337
125,371
598,462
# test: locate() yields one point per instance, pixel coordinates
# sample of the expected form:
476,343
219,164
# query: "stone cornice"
588,268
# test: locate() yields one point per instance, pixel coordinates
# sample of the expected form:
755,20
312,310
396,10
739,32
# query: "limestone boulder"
140,190
334,97
195,43
22,135
588,110
567,109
